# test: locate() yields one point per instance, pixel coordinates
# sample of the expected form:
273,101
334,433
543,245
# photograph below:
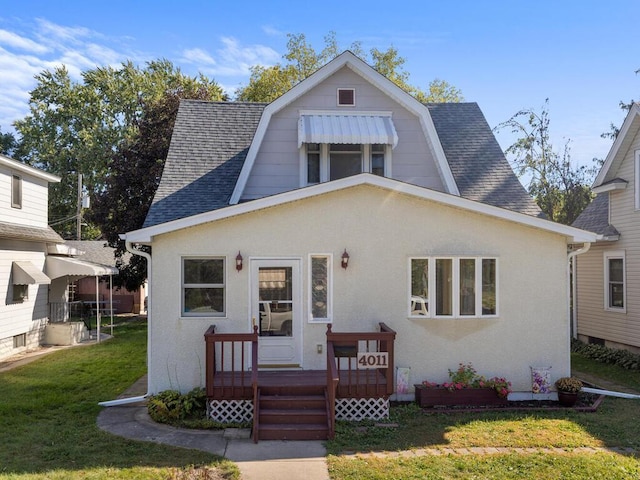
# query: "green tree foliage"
75,127
8,144
560,188
134,172
301,60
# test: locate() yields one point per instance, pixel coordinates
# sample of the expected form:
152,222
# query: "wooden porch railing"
222,355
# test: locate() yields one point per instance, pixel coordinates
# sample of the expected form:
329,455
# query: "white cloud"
272,31
198,56
11,39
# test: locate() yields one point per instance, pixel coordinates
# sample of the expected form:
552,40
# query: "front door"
276,307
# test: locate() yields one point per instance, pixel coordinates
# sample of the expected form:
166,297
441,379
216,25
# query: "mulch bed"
587,402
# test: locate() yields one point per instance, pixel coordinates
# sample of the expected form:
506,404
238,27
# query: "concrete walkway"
265,460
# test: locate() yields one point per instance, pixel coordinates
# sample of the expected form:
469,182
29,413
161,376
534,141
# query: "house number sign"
373,360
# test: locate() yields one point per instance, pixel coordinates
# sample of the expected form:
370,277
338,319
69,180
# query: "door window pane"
276,301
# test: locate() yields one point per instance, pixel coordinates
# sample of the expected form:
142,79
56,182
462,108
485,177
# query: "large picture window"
614,283
203,286
458,287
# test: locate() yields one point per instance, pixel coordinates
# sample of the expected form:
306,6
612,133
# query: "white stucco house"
347,203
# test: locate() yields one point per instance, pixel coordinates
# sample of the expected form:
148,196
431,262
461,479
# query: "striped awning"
351,129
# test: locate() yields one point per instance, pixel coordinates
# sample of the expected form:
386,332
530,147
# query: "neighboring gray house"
347,203
608,276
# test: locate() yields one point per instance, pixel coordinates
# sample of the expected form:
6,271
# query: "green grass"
612,373
615,424
48,412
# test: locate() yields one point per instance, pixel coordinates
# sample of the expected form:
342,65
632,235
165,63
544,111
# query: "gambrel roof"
214,145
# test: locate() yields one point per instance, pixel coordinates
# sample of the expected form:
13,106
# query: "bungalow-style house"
607,309
348,241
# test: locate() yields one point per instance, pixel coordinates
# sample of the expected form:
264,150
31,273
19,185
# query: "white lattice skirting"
354,409
230,411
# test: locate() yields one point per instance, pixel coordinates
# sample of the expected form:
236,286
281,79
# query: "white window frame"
636,178
455,288
338,90
329,317
615,255
16,183
222,285
324,162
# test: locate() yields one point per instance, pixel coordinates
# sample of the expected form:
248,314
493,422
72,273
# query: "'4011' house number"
373,359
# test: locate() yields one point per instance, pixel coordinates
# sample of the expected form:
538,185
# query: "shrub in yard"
602,354
170,406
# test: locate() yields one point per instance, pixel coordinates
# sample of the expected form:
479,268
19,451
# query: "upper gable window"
346,97
16,191
324,162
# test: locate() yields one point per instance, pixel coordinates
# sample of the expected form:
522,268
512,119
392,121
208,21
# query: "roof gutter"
572,287
126,401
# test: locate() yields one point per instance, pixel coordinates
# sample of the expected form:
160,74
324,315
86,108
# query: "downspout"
574,315
126,401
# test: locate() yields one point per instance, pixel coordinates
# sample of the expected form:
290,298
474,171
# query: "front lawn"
615,425
48,412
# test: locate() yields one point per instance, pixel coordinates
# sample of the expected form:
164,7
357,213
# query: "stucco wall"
380,230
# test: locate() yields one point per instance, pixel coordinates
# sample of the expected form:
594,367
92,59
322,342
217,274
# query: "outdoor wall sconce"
239,261
345,259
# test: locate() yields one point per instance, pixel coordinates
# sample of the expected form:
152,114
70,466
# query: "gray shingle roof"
96,251
208,147
32,234
211,139
595,218
477,162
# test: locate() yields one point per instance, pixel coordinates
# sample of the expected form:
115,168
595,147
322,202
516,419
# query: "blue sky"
504,55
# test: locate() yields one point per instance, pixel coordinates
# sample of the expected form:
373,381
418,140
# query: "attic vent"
346,97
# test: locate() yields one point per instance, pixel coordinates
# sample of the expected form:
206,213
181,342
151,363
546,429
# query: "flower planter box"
430,397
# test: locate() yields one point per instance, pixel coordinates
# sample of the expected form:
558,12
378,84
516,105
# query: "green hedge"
612,356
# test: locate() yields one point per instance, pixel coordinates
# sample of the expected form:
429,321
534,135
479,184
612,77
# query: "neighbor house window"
636,178
16,191
323,162
20,341
20,293
614,282
453,287
320,288
203,286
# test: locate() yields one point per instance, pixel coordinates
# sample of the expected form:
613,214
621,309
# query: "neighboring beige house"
608,276
24,239
347,203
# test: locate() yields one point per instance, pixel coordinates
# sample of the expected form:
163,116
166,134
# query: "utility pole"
79,209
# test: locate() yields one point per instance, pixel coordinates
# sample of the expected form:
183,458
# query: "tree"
75,127
560,188
134,173
8,144
268,83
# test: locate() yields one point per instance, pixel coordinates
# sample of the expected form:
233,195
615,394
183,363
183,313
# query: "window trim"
636,178
183,286
16,182
329,317
615,255
455,287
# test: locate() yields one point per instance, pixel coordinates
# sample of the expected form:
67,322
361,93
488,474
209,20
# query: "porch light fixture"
239,261
345,259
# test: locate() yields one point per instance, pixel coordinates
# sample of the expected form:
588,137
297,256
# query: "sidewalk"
265,460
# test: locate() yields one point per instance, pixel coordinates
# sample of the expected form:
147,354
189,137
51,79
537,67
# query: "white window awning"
351,129
26,273
62,266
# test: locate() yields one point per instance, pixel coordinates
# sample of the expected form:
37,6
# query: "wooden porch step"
292,401
293,432
293,416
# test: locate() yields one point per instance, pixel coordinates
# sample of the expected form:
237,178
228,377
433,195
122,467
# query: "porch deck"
352,383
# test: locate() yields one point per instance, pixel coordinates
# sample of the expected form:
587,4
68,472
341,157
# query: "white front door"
276,307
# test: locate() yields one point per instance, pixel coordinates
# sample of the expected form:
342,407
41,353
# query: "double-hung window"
203,286
448,287
615,291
